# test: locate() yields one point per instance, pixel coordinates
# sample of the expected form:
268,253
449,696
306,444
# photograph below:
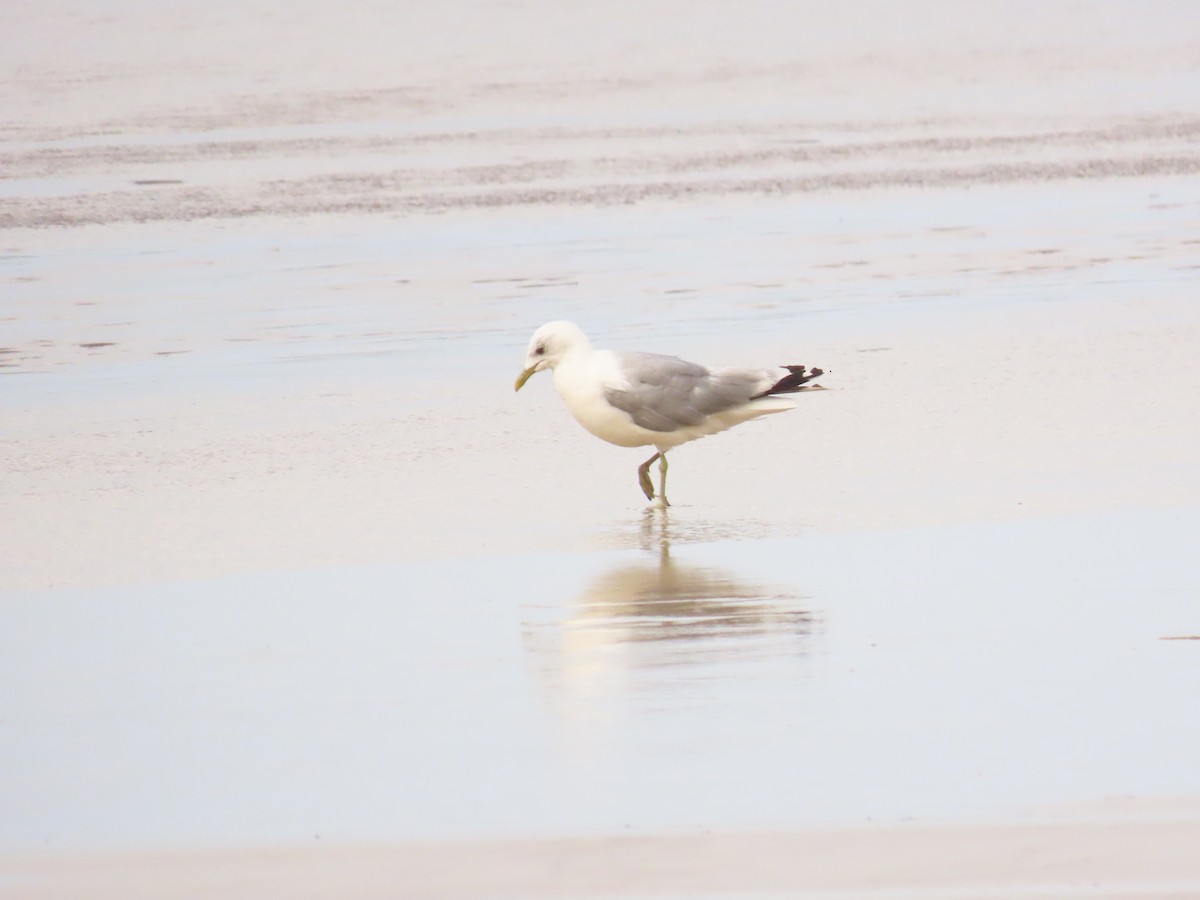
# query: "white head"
549,345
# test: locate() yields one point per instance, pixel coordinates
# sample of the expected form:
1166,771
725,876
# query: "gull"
642,399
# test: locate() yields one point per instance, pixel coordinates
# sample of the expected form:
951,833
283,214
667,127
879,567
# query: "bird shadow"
660,627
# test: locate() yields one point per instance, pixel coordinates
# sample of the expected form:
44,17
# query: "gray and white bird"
646,399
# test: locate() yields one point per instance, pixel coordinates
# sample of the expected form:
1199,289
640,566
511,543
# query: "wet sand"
1122,859
299,598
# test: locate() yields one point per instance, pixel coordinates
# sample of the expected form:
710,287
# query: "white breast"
580,379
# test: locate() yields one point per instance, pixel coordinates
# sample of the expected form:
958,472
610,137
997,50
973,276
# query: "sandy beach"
299,599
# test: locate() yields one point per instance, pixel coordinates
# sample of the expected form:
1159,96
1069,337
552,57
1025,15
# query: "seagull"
646,399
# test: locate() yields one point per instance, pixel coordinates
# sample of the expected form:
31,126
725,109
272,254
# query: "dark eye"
540,351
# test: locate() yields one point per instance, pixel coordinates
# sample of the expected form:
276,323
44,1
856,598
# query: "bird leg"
662,481
644,477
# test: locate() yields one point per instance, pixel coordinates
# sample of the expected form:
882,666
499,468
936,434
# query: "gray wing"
665,393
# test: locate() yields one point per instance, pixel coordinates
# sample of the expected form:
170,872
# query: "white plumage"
645,399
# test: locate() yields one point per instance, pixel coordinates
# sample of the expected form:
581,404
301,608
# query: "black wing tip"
797,377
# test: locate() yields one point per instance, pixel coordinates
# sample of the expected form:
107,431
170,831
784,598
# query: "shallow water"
236,307
261,315
878,676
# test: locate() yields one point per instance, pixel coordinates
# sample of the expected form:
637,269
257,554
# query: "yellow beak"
524,377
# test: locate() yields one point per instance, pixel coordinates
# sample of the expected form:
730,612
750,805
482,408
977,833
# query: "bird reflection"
664,629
